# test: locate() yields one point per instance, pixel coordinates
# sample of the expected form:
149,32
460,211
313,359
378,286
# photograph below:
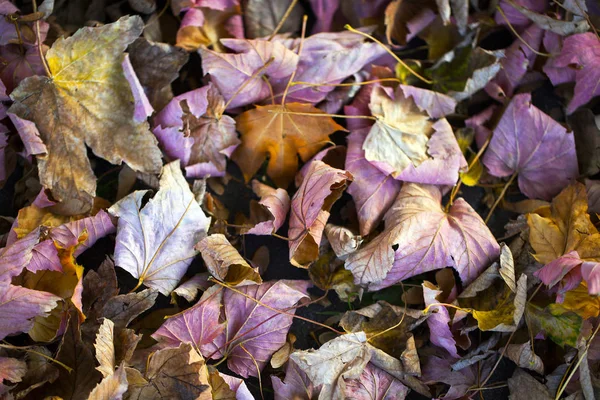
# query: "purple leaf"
198,325
373,384
373,191
19,306
553,272
143,109
324,11
97,227
296,384
516,18
193,129
517,61
270,212
238,386
321,187
229,72
531,144
436,105
16,65
17,256
326,58
438,321
30,136
155,244
582,51
428,238
553,43
45,257
254,332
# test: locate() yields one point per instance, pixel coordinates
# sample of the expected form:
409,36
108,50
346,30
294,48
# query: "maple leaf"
171,373
428,238
268,214
267,130
321,187
241,74
225,263
529,143
86,100
582,51
295,385
193,129
155,243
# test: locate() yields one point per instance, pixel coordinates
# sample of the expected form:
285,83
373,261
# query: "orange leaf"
267,130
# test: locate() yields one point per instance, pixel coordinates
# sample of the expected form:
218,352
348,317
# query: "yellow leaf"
581,302
86,100
472,176
567,227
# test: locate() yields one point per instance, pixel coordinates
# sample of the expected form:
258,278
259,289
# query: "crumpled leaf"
404,142
270,212
69,116
564,28
524,356
373,383
193,129
226,387
155,243
582,51
173,373
202,27
399,13
190,288
321,187
198,324
343,241
268,131
112,387
438,322
537,148
105,349
428,238
225,263
122,309
228,72
565,238
19,306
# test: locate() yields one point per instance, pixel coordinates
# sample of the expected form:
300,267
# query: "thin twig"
39,42
500,197
283,19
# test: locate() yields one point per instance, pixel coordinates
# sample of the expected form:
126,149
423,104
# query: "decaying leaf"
268,214
86,100
321,187
561,326
225,263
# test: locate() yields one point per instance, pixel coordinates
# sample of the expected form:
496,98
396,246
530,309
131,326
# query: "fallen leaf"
123,309
544,158
322,186
69,116
524,356
561,325
428,238
564,28
105,349
11,370
270,212
581,302
523,386
439,321
295,385
161,234
202,27
230,72
193,129
112,387
225,263
267,130
262,17
587,141
373,383
190,288
398,14
199,325
17,256
173,373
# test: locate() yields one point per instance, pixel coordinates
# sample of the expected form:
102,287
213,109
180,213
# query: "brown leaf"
225,263
192,37
124,308
174,373
156,65
398,14
86,100
266,130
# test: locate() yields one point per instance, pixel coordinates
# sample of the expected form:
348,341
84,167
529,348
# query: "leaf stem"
501,196
283,19
347,84
39,42
28,350
405,65
323,115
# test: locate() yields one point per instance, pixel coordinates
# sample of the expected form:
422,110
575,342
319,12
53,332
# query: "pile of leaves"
317,199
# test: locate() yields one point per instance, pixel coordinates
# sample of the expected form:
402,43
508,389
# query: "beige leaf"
112,387
105,349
